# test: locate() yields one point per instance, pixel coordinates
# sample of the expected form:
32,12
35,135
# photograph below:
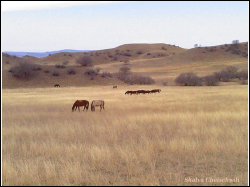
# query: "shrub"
107,74
91,72
139,52
126,54
46,71
242,75
115,58
36,68
232,71
55,73
188,79
218,75
125,70
59,66
226,74
23,70
226,77
85,61
98,70
211,80
71,71
65,62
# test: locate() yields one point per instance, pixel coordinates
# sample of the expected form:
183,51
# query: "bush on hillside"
85,61
106,74
128,77
227,74
36,67
55,73
136,79
210,80
23,71
91,72
126,54
188,79
242,75
59,66
71,71
124,70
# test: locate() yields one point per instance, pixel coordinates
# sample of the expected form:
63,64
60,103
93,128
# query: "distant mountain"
43,54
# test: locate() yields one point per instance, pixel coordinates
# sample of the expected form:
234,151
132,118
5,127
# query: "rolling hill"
162,62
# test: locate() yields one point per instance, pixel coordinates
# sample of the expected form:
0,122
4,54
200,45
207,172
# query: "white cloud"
8,6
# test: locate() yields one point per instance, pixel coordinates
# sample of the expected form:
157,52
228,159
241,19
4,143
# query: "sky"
39,26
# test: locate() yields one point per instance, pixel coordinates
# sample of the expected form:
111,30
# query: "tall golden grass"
170,138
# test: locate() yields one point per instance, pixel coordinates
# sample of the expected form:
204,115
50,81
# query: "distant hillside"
162,62
42,54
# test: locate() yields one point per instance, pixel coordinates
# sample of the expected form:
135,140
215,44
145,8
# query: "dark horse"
56,85
80,103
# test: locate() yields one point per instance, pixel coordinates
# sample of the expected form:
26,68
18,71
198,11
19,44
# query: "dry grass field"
181,136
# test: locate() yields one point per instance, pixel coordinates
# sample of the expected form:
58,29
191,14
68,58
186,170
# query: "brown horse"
114,87
96,103
79,103
130,92
156,90
143,91
56,85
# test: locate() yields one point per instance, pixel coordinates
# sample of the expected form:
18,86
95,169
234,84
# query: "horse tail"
103,105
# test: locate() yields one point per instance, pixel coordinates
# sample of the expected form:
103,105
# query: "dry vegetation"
157,139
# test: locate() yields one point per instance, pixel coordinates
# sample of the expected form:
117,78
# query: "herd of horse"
85,104
100,103
143,91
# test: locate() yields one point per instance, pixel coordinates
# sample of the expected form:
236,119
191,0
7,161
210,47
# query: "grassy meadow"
170,138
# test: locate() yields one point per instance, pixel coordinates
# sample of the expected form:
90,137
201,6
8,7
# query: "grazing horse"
130,92
79,103
96,103
114,87
155,90
147,91
140,91
143,91
56,85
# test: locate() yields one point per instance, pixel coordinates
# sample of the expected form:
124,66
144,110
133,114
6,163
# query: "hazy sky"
54,25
